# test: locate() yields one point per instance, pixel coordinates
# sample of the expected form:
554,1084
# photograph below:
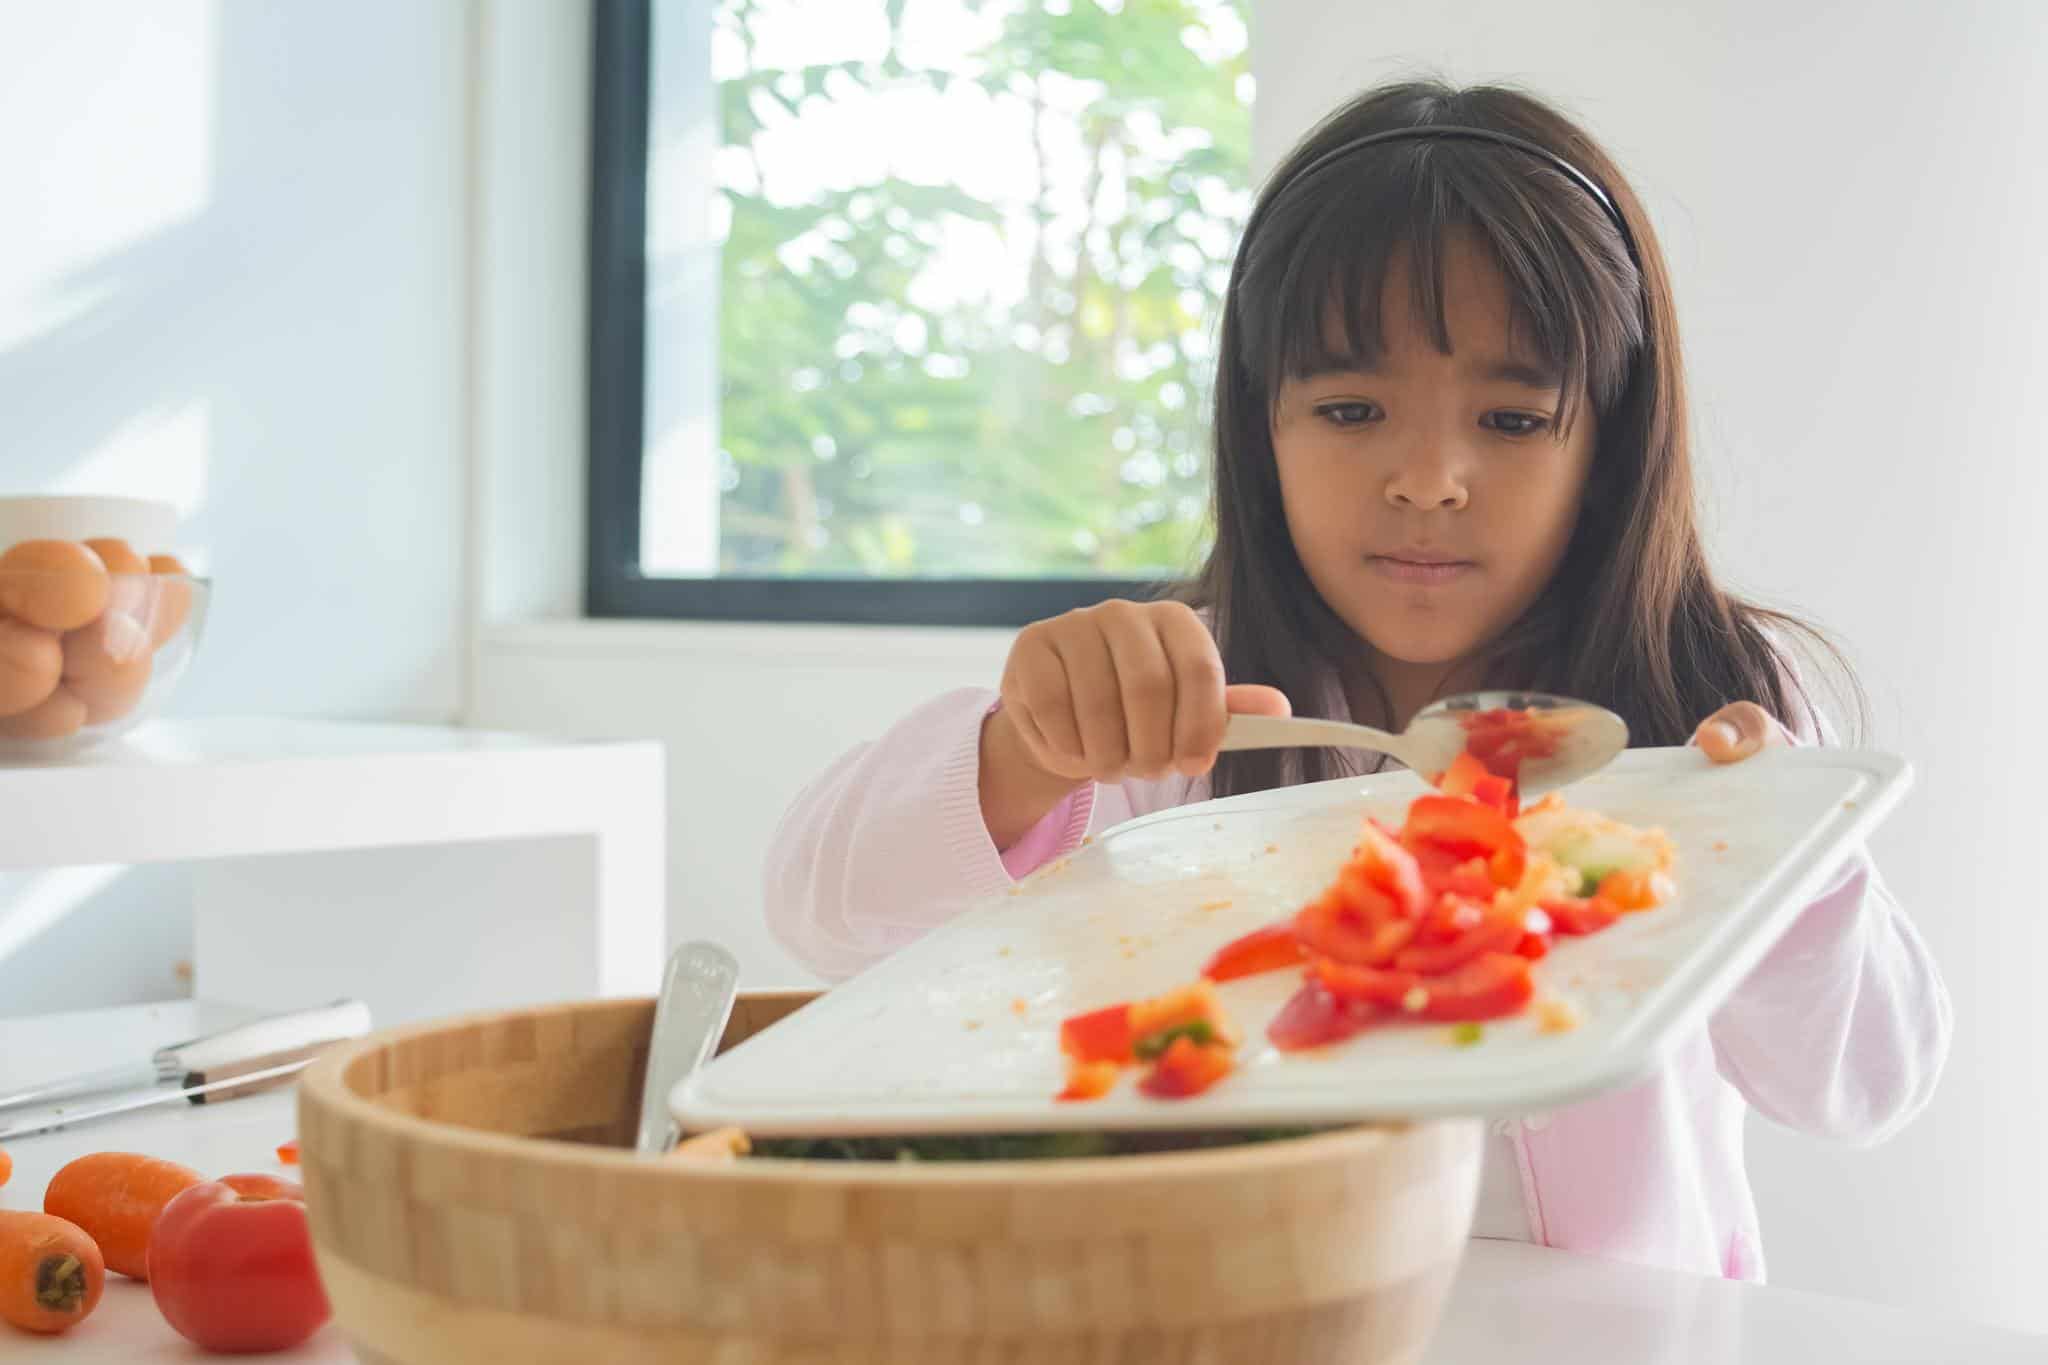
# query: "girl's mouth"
1423,570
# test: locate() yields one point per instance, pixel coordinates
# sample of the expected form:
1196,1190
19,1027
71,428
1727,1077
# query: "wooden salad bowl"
474,1199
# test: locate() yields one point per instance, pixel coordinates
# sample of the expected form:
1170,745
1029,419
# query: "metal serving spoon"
1553,741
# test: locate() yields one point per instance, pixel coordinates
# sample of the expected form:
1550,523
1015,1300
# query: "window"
903,310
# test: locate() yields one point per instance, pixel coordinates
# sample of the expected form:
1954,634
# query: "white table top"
1511,1301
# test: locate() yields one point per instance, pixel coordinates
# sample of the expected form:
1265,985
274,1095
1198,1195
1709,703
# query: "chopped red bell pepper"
1194,1004
1496,932
1263,950
1089,1080
1380,987
1103,1035
1465,829
1488,987
1313,1017
1576,915
1186,1068
1469,778
1331,927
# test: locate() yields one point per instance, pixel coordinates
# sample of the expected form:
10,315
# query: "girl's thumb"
1249,699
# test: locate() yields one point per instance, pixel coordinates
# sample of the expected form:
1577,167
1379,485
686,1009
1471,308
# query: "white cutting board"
958,1032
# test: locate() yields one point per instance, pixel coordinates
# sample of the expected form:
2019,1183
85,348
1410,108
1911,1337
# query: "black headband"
1455,133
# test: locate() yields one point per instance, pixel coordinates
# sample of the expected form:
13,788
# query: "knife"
180,1063
229,1080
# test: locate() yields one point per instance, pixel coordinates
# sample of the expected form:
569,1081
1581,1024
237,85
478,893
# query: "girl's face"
1429,496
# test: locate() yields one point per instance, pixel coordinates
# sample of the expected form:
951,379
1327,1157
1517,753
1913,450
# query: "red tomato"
1465,829
1495,933
1575,915
1383,865
1186,1068
1468,777
1101,1036
1313,1017
1364,986
1334,929
1488,987
1263,950
1446,875
231,1265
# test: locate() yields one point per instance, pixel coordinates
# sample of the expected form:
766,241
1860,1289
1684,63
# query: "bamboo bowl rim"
326,1084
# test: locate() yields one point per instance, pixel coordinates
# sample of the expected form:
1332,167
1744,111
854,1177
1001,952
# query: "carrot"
115,1197
6,1166
51,1273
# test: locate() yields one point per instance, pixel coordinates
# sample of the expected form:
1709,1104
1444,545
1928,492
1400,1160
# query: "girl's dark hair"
1632,619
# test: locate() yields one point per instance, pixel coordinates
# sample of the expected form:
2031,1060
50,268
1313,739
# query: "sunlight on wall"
152,116
159,455
40,899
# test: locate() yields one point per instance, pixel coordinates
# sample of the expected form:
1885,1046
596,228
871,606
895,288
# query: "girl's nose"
1426,482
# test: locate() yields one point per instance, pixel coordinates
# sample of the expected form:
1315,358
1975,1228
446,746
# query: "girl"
1451,452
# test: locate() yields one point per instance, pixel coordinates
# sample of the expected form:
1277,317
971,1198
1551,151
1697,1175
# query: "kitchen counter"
1511,1301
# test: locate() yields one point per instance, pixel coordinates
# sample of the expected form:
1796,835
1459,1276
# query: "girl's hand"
1110,692
1737,731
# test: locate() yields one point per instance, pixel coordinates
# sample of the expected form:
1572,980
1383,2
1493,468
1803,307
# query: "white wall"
1851,197
232,274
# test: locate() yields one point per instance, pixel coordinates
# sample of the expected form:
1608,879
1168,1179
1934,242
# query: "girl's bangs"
1312,288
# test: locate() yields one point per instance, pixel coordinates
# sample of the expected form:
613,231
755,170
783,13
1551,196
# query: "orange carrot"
6,1166
115,1197
51,1274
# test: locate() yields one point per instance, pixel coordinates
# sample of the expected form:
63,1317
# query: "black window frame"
614,586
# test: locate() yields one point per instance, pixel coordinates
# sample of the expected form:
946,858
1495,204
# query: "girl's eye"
1516,423
1348,414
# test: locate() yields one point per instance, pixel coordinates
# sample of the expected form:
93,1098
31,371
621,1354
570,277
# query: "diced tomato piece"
1495,933
1534,946
1104,1035
1176,1009
1502,740
1469,778
1488,987
1331,927
288,1153
1089,1080
1186,1068
1445,874
1455,914
1627,891
1263,950
1576,915
1390,869
1462,776
1312,1017
1363,986
1465,829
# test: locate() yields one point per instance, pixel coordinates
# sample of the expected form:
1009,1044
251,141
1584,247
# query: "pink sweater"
1840,1032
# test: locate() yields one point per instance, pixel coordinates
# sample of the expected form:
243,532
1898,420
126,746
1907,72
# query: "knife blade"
177,1063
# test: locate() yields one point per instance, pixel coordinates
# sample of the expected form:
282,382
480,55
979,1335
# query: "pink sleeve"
1842,1029
889,842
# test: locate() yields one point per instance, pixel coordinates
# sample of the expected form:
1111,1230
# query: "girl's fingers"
1035,696
1145,680
1098,703
1250,699
1198,716
1736,731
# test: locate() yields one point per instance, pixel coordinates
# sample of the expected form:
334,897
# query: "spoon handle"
1301,732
